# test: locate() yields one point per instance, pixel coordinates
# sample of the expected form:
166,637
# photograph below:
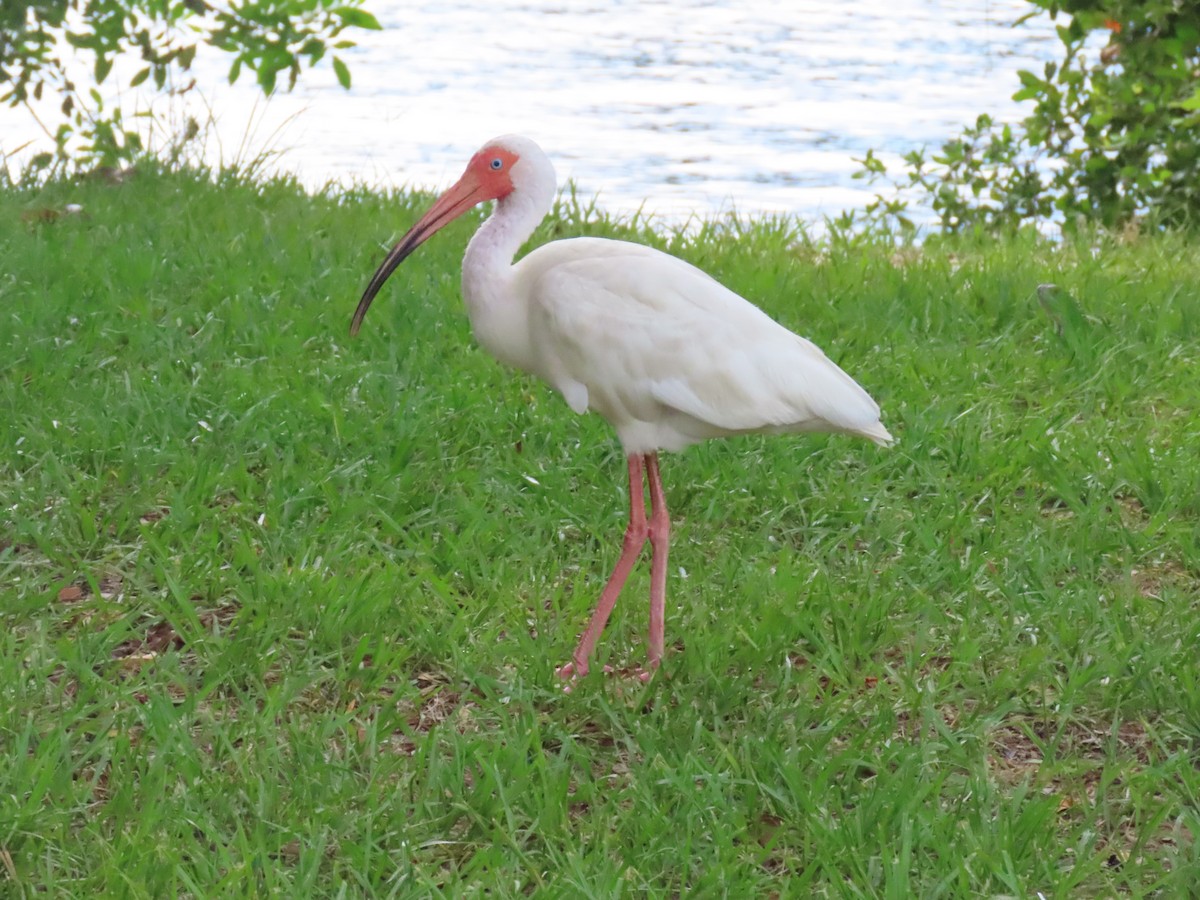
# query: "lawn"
281,609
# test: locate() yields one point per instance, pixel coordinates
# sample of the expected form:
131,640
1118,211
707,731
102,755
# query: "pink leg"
635,538
660,539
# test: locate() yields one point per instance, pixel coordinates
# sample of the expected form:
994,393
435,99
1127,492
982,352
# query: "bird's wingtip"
879,435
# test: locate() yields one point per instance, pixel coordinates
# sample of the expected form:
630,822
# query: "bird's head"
505,167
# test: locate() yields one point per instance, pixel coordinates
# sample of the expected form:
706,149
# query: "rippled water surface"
678,105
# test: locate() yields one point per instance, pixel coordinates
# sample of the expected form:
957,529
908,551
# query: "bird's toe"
571,671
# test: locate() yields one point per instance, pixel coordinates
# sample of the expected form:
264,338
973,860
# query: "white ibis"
661,350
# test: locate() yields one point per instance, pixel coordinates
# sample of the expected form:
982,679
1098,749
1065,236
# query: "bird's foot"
568,673
574,670
652,668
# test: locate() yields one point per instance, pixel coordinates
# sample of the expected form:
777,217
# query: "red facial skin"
496,184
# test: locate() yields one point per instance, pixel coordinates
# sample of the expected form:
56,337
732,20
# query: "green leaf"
357,18
1192,102
314,50
342,72
139,77
1029,80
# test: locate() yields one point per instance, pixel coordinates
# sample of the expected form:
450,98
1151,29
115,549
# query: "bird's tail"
877,433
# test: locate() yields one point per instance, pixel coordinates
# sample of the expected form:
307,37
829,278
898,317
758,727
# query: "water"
672,106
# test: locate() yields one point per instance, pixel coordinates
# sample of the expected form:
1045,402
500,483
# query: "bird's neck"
487,265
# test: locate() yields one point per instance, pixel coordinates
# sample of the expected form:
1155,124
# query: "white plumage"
670,356
664,352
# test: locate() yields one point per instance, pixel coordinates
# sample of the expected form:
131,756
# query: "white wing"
670,356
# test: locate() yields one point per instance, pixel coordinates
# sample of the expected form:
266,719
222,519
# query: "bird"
660,349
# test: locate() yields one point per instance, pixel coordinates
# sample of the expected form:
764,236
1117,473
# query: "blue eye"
497,164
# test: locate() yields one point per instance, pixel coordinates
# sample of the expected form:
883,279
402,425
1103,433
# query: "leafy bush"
1112,138
39,38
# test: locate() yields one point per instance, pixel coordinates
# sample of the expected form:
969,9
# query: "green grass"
280,610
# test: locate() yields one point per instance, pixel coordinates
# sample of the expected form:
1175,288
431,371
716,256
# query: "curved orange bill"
468,192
